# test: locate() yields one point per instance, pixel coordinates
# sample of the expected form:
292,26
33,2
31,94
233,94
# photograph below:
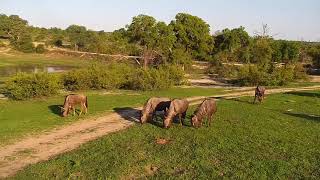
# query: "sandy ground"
30,150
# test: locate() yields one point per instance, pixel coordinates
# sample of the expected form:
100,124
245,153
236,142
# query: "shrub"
40,49
251,75
300,72
24,86
2,44
156,78
275,76
98,76
24,44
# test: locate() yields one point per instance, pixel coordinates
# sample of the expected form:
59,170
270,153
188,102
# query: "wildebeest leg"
183,117
85,109
180,118
81,108
209,119
255,97
74,111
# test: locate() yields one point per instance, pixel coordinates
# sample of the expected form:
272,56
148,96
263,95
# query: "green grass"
245,141
20,59
18,118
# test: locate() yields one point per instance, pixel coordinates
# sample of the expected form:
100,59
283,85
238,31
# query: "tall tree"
77,36
193,34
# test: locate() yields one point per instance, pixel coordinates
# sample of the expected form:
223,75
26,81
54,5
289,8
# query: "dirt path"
15,157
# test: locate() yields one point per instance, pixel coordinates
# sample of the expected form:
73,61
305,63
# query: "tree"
12,26
261,52
235,42
142,30
193,34
156,38
77,36
17,30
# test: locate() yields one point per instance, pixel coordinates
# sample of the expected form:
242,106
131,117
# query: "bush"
300,72
2,44
24,44
156,78
24,86
276,76
40,49
251,75
98,76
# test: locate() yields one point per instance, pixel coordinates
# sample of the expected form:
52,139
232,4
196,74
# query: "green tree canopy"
193,34
77,35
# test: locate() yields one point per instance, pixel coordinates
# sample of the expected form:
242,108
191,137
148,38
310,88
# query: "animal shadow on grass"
305,116
302,93
55,109
158,119
128,113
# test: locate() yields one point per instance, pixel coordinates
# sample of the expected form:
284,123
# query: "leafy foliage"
193,34
97,76
117,76
24,86
40,49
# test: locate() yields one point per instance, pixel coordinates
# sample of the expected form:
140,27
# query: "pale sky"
288,19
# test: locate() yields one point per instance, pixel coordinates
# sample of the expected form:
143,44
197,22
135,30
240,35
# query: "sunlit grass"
278,139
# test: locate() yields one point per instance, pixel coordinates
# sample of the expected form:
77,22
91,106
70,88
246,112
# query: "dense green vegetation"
184,39
18,118
96,76
278,139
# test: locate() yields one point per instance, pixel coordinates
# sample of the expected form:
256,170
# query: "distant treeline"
187,37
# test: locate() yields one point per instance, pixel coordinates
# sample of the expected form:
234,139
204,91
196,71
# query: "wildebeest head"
143,117
64,111
195,121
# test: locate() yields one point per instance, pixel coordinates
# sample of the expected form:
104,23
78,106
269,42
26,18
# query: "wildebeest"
207,108
259,93
177,107
71,101
151,106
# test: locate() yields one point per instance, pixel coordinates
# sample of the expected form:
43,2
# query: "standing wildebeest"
151,106
177,107
259,93
71,101
207,108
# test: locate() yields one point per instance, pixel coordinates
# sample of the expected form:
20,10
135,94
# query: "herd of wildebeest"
171,107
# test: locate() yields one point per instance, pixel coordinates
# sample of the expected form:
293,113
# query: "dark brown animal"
207,108
71,101
151,106
177,107
259,93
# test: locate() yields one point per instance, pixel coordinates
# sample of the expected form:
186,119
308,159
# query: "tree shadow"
304,116
303,93
129,114
55,109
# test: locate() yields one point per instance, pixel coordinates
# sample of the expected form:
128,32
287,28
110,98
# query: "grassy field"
20,59
278,139
18,118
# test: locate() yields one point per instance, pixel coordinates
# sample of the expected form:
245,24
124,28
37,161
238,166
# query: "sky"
287,19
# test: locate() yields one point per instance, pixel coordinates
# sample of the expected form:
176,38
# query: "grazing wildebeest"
177,107
71,101
207,108
259,93
151,106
